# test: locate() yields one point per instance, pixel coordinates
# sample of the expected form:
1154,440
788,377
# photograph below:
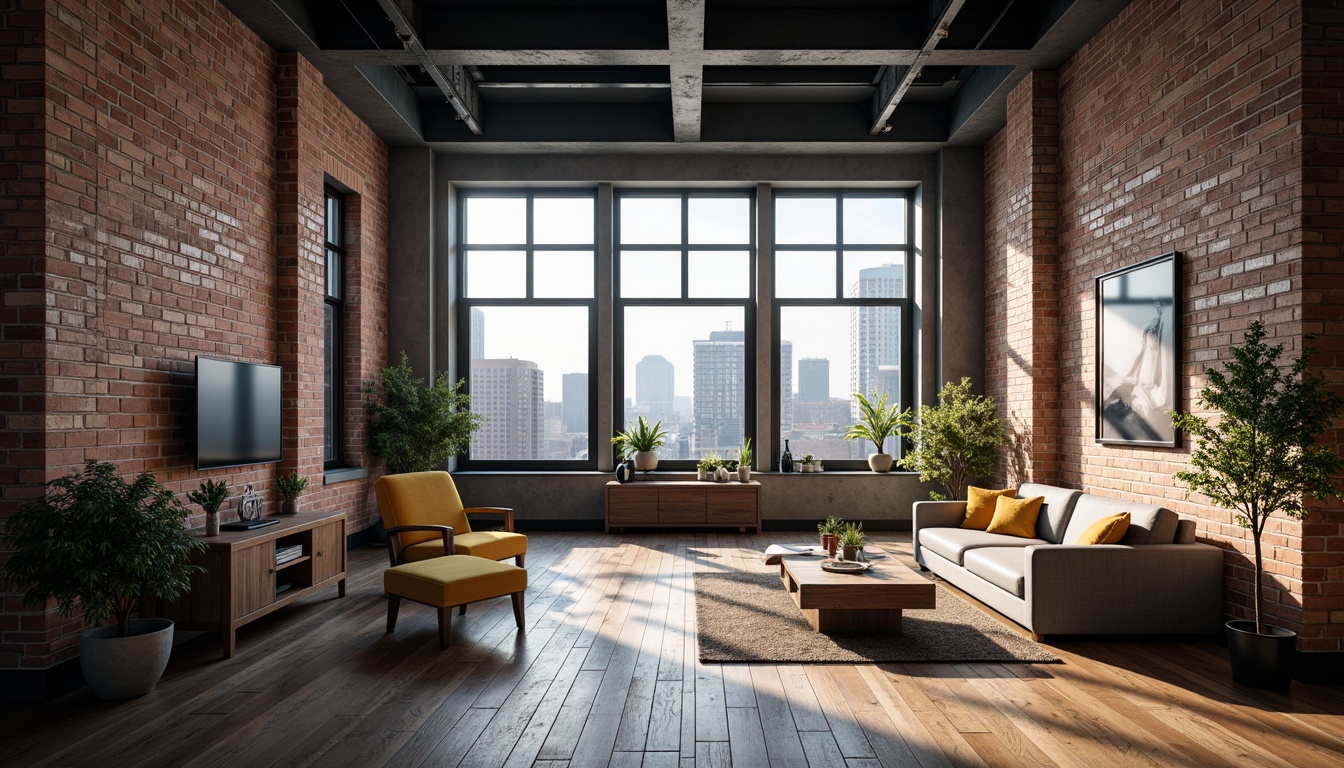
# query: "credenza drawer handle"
270,571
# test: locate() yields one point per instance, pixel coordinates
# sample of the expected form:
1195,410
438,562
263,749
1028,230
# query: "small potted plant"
97,544
1261,456
642,440
705,468
210,496
956,440
744,462
879,421
806,463
290,487
851,541
830,533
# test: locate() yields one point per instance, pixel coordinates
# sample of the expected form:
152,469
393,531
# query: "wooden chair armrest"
395,550
505,512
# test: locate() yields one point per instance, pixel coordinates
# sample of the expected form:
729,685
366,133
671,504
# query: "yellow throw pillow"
1016,517
980,506
1108,530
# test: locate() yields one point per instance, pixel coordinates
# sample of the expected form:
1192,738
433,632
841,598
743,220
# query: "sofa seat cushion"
1004,567
1148,523
953,543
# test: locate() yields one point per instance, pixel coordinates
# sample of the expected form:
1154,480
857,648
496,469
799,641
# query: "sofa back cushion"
1148,523
1055,512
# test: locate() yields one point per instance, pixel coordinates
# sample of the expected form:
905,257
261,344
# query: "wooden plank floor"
607,675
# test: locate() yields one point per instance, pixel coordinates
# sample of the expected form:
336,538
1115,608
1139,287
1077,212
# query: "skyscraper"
574,396
477,334
785,387
508,393
814,379
654,388
719,388
875,334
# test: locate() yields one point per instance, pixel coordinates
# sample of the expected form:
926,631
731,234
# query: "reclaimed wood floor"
607,675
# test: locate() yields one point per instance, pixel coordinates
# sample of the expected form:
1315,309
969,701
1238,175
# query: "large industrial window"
841,275
526,324
333,368
685,318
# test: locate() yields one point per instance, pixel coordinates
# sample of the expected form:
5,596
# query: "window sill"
344,474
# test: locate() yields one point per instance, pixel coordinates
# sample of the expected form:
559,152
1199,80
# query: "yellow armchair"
416,504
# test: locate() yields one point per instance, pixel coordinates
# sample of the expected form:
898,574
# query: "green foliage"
1261,456
809,458
291,485
709,463
415,428
878,421
640,437
956,440
851,535
744,455
831,525
97,543
211,495
730,464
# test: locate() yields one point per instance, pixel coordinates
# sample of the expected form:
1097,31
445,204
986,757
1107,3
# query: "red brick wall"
1208,162
177,223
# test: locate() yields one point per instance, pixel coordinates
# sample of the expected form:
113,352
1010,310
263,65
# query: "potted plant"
642,440
415,428
96,543
1262,456
955,440
851,541
830,533
744,462
706,467
807,463
210,496
290,487
879,421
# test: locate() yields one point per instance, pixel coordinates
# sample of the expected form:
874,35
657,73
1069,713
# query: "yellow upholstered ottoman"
444,582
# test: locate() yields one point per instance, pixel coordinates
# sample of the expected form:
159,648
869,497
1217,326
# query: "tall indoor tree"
956,440
414,427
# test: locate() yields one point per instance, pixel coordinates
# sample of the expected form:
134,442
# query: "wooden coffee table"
870,601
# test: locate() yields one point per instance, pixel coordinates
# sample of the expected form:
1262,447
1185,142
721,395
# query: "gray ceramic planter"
122,667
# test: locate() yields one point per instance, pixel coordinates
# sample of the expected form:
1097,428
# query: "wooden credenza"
687,504
242,582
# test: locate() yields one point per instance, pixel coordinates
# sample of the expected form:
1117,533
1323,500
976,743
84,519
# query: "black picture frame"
1138,353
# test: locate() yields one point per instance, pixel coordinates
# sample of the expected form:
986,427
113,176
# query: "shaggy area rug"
748,617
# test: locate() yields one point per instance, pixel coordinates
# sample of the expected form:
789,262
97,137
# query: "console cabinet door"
253,578
681,505
632,505
733,505
328,551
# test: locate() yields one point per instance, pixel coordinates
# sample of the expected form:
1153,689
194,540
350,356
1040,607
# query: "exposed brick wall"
1208,163
168,206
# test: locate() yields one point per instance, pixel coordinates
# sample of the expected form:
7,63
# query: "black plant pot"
1261,661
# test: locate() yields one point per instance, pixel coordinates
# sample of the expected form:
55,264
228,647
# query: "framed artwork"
1138,352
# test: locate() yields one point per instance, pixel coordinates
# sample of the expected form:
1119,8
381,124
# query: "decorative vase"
289,506
212,523
828,543
721,475
646,461
1261,661
816,466
625,471
849,553
880,462
834,545
744,474
701,474
122,667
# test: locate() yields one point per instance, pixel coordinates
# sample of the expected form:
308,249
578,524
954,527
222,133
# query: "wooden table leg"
854,620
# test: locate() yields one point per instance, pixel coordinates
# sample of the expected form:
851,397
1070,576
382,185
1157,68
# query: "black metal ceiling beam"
896,80
451,79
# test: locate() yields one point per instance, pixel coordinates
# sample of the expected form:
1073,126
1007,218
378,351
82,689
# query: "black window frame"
747,303
903,302
334,342
465,304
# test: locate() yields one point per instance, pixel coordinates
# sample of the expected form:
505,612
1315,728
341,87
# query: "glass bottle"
786,461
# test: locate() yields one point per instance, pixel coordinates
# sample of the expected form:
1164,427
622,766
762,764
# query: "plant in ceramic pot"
416,428
878,421
290,487
210,496
851,541
806,462
642,440
956,440
1261,455
97,544
830,533
707,466
744,462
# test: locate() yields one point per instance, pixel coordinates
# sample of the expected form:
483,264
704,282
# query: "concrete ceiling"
711,76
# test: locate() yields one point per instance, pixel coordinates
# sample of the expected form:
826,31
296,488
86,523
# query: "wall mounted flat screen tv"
237,413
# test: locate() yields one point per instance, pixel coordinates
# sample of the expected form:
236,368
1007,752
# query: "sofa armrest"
1117,589
935,514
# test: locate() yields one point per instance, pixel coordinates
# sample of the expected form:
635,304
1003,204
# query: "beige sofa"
1157,580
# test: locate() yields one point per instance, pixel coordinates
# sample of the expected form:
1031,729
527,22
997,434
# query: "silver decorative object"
249,504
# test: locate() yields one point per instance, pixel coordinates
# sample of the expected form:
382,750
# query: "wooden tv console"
684,504
242,582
